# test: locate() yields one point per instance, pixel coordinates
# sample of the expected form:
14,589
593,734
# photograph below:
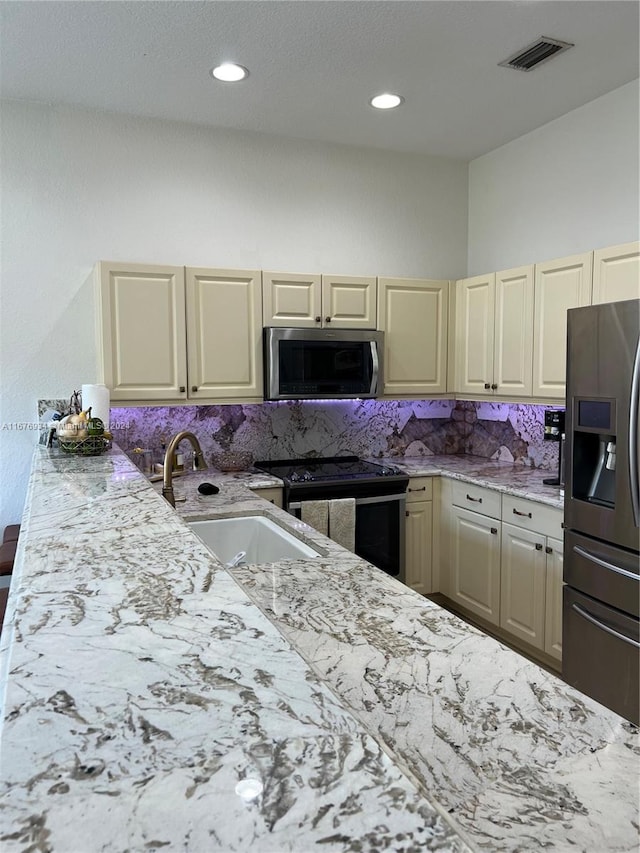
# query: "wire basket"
93,445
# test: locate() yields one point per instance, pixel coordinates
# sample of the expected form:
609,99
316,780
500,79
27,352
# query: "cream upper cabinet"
475,319
349,301
616,273
141,331
413,314
559,285
291,300
316,301
224,333
513,337
494,333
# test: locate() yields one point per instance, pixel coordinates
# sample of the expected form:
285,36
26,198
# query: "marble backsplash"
374,428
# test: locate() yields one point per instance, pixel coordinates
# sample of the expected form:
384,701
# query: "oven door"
379,531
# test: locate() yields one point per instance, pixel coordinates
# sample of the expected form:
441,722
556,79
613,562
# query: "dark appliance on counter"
601,635
554,430
380,500
322,364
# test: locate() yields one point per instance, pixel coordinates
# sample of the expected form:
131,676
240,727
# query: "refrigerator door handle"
582,552
602,626
634,472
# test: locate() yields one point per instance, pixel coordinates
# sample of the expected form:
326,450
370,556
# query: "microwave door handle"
634,471
374,372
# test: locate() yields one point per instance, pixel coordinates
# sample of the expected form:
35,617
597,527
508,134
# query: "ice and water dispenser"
594,451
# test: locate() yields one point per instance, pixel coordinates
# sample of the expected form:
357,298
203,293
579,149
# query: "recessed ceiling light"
229,72
386,101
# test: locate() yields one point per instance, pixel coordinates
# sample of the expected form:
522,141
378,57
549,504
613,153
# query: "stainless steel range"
380,500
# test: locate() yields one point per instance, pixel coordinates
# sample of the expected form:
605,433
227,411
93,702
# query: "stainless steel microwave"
322,364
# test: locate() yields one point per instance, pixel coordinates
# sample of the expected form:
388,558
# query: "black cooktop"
327,469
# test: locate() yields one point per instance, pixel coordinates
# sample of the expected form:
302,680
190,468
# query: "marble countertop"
141,682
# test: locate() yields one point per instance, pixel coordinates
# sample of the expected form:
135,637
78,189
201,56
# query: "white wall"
567,187
78,187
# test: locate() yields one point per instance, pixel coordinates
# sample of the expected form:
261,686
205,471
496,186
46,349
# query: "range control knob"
386,471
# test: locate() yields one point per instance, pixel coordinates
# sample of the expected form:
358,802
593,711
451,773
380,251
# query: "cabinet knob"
194,387
494,530
182,389
487,386
406,512
327,319
538,546
494,387
318,319
548,550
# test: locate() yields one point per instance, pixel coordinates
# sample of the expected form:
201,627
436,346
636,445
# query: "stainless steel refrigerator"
601,596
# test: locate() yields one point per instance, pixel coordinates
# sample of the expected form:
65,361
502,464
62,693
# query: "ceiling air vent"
535,54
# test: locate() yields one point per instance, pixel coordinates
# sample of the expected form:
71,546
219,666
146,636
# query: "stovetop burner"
322,469
327,470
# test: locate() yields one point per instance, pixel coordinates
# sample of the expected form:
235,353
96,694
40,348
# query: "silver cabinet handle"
523,514
603,627
475,500
582,552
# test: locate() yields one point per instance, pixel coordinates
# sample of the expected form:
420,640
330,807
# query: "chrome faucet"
169,458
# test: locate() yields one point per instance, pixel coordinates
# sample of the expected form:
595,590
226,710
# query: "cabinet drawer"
477,499
420,489
531,515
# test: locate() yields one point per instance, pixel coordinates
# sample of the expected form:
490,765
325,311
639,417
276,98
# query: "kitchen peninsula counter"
141,683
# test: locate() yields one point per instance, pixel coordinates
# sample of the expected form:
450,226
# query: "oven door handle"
586,615
359,501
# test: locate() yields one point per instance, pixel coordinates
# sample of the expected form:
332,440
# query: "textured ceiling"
314,65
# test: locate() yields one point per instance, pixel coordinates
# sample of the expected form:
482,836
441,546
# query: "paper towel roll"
97,396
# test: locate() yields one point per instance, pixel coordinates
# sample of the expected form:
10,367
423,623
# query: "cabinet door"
513,340
272,494
349,302
522,590
559,285
292,300
141,331
413,315
616,273
553,599
418,559
474,569
475,317
224,313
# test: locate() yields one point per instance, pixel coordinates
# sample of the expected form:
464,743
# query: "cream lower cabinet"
413,314
523,584
474,582
141,331
419,535
494,333
318,301
173,334
273,494
616,273
554,550
224,334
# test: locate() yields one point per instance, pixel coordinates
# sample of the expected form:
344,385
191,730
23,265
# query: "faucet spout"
169,458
